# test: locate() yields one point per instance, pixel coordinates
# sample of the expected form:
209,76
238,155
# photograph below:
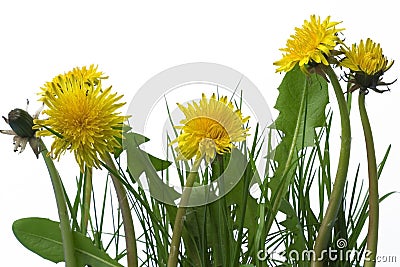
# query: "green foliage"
140,162
301,104
43,237
210,229
231,230
302,216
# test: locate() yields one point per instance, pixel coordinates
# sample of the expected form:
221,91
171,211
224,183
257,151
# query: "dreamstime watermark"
340,253
143,108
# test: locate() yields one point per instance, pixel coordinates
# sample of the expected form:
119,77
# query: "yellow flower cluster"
82,116
315,43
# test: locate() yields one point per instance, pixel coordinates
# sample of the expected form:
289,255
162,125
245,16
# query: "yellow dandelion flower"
210,127
367,58
367,64
311,44
82,117
88,75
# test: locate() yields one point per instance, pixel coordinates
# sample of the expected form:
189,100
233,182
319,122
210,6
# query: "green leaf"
135,139
211,232
138,138
140,162
43,237
159,164
292,223
301,104
194,234
246,207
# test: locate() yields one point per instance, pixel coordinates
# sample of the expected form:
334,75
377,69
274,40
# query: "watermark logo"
341,243
340,253
185,84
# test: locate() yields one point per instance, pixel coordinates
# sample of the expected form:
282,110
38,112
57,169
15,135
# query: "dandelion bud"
21,123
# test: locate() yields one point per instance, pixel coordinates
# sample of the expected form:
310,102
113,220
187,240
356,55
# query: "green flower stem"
180,215
372,237
66,231
324,233
87,193
129,229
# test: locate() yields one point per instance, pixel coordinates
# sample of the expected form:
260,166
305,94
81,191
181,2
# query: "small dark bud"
21,123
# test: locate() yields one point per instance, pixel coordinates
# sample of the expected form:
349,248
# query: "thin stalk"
245,195
373,219
87,192
130,238
66,231
335,200
180,215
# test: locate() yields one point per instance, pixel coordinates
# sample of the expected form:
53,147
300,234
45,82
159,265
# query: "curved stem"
373,198
180,215
66,231
130,238
324,233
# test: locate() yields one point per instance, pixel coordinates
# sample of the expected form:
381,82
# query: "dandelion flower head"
365,57
210,127
367,64
311,44
81,116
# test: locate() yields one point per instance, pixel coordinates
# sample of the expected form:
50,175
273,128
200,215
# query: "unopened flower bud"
21,123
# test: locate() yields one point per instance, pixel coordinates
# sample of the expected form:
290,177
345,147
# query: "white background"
133,41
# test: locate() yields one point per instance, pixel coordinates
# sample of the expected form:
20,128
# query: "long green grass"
232,231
